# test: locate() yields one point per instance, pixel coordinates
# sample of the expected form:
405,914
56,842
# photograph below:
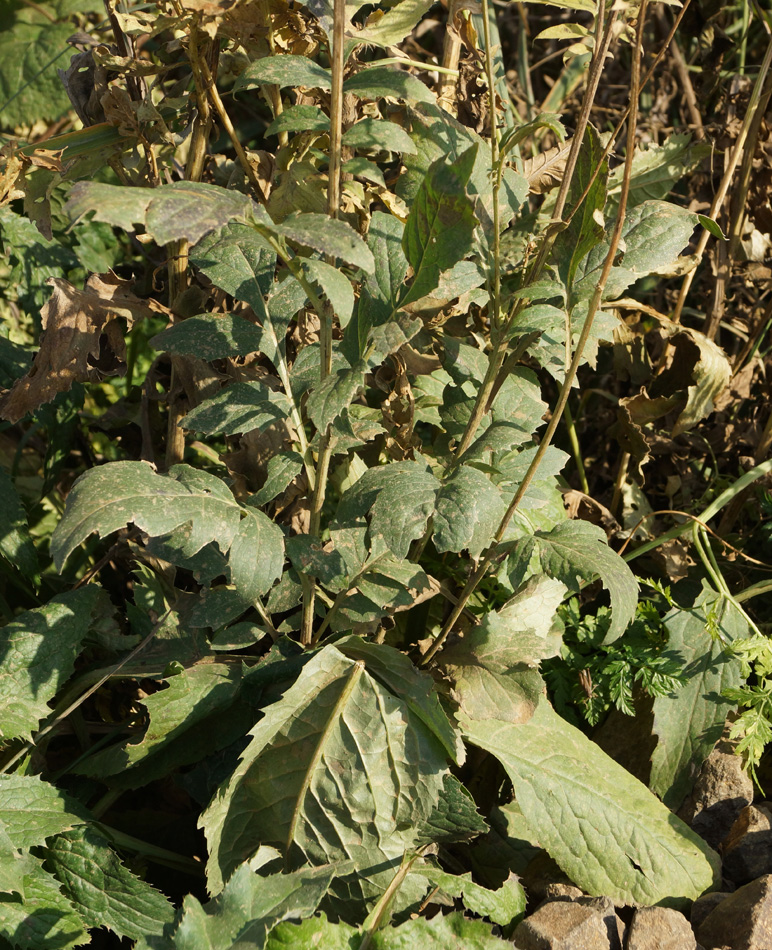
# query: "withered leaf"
82,339
545,171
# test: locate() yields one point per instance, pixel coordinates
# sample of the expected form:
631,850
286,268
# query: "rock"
614,926
703,906
562,925
658,928
743,921
723,788
748,847
562,892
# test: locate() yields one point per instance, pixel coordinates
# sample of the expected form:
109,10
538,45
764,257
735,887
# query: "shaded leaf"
284,70
328,236
256,556
375,82
281,469
211,336
299,118
469,509
16,546
604,828
239,407
503,906
333,394
43,918
372,133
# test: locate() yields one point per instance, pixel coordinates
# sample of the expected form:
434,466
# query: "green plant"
336,555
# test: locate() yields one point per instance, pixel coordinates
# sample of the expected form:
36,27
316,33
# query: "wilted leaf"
545,170
604,828
104,891
689,722
82,339
705,366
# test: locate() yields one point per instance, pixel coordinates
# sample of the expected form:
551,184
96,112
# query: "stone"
703,906
743,921
723,788
562,925
748,846
614,926
659,928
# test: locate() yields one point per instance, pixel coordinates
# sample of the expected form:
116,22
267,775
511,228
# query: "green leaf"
328,236
256,556
107,498
503,906
441,224
183,210
339,768
604,828
40,648
280,471
490,666
399,498
334,286
32,810
363,168
197,714
333,394
43,918
657,168
239,261
239,407
104,891
455,818
317,932
284,70
211,336
395,24
376,134
376,82
439,933
33,258
654,234
15,543
575,551
690,721
468,511
248,908
300,118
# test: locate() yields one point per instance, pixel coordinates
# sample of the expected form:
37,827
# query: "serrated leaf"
40,648
391,28
455,817
689,722
575,551
239,407
328,236
104,891
604,828
376,82
372,133
338,768
335,287
248,908
284,70
184,209
440,227
32,810
43,918
399,499
503,906
280,471
654,234
211,336
256,556
468,511
317,932
177,732
333,394
107,498
299,118
15,543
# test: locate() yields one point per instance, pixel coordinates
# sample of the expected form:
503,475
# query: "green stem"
576,450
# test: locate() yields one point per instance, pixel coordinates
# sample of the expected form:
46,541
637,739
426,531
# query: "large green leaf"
328,236
604,828
657,168
577,550
377,134
257,555
240,407
469,509
32,810
690,721
440,227
490,665
339,768
104,891
107,498
211,336
39,650
399,499
41,917
333,394
374,82
317,932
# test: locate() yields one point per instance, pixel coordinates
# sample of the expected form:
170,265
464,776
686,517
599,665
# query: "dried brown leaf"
545,171
81,340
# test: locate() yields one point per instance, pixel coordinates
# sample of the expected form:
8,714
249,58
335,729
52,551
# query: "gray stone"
562,925
659,928
723,788
614,926
743,921
748,847
703,906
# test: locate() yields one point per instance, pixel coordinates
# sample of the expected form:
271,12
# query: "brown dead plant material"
82,339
